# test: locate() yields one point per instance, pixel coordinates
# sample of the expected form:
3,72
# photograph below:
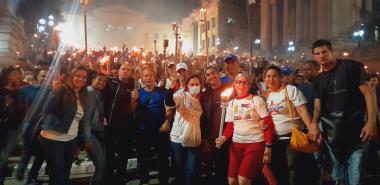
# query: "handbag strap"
289,105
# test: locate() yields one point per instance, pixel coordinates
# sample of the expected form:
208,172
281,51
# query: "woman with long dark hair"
60,125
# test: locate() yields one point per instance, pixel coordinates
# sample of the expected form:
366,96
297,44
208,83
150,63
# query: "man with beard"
210,122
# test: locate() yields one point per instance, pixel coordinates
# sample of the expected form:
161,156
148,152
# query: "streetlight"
203,18
41,28
42,21
291,46
217,42
84,3
257,43
236,48
358,36
51,20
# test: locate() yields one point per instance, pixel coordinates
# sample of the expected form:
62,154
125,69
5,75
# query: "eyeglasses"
242,82
80,77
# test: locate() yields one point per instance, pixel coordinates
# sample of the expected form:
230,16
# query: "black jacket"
117,97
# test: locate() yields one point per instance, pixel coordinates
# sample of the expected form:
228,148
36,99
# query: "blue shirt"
150,111
308,92
29,93
226,80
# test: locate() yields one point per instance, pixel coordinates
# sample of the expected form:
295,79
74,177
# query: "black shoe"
33,181
20,174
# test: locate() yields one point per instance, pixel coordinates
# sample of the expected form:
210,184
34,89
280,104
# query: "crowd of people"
173,111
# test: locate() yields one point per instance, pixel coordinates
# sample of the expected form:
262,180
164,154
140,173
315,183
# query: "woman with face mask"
185,135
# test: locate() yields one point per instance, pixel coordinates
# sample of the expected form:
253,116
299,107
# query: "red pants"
246,159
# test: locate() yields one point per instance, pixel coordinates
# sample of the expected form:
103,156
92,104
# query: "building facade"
301,22
12,37
226,25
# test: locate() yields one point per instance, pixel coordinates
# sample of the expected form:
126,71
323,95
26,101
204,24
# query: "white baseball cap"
181,66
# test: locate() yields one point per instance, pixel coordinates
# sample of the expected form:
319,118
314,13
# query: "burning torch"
224,98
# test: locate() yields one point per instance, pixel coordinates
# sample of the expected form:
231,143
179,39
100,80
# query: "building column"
368,5
274,24
324,19
265,28
313,19
306,22
358,5
286,31
292,21
299,20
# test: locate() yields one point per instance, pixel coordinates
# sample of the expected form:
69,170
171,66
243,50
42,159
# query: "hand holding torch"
224,98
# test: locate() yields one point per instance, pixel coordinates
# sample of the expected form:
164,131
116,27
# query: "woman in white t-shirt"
251,142
60,125
185,135
278,108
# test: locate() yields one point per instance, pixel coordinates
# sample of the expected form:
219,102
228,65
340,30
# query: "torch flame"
227,93
135,49
104,59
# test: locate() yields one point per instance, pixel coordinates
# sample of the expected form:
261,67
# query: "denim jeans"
59,156
347,168
98,157
187,161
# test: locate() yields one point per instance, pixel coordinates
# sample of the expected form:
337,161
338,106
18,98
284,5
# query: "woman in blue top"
60,124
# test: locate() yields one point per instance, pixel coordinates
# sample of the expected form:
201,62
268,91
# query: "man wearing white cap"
181,69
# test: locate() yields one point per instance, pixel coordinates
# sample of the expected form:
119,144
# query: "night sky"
156,10
114,13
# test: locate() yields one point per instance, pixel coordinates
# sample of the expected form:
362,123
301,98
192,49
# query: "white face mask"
28,78
195,89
